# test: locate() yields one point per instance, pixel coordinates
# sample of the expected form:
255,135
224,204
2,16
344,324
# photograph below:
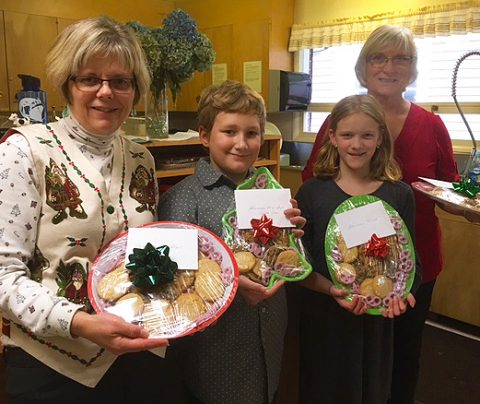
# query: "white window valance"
445,19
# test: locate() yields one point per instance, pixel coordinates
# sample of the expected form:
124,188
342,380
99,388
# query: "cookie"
184,279
382,285
209,286
366,287
349,254
131,304
114,284
245,260
190,306
288,257
346,273
158,315
208,265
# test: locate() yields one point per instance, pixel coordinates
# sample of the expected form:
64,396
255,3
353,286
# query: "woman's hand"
356,306
253,292
398,306
113,333
298,221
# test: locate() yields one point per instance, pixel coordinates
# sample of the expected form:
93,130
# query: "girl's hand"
398,306
113,333
253,292
298,221
356,306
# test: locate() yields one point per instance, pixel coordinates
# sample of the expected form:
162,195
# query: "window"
333,78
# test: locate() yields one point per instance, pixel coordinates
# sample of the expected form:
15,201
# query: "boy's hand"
253,292
356,306
298,221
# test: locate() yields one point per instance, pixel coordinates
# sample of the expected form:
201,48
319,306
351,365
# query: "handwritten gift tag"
253,203
183,244
357,225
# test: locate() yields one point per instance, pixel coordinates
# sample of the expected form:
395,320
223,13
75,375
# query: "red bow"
263,229
377,247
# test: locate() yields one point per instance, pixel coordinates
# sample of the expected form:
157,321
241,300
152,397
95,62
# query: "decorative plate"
280,256
447,196
193,301
376,270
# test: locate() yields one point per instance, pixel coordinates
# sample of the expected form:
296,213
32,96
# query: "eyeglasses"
381,60
91,84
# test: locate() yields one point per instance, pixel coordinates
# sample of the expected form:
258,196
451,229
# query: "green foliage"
175,51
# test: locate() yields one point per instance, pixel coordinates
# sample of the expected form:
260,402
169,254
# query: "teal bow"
151,266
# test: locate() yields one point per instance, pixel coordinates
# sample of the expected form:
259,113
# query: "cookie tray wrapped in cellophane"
377,270
466,197
265,254
189,302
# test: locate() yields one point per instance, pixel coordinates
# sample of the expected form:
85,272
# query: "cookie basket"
192,301
378,270
265,260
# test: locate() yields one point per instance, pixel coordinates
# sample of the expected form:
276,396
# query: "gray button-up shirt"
238,359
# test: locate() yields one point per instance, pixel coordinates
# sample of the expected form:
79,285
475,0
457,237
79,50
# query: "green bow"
466,187
151,266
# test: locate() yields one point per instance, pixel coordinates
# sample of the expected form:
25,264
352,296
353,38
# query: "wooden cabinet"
28,39
4,92
457,290
166,153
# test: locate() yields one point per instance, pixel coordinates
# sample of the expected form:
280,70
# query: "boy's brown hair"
383,166
230,96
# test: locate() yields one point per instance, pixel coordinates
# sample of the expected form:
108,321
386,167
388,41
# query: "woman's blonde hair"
383,38
230,96
99,36
383,166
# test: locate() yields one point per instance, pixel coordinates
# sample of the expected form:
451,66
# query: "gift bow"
151,266
377,246
466,187
263,229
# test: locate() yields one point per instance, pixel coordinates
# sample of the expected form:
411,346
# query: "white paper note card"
437,183
358,225
253,203
183,244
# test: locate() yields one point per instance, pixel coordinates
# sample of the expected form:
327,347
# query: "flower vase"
156,115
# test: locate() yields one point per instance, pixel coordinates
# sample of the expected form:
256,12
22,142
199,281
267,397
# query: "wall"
311,11
150,12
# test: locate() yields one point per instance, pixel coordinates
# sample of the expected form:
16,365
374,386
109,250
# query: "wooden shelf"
269,155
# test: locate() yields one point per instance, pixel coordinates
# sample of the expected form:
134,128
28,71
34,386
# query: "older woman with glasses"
387,64
66,190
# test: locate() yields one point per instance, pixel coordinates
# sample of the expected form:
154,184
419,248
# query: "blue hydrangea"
174,51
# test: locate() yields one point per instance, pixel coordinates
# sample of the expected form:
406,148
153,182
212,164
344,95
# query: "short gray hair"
382,38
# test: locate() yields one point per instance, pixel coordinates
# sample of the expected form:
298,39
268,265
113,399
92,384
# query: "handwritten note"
253,203
183,244
358,225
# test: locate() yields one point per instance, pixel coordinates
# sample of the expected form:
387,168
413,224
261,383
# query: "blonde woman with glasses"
67,189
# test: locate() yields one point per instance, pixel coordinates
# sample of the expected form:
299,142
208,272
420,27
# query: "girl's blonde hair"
99,36
383,38
383,166
230,96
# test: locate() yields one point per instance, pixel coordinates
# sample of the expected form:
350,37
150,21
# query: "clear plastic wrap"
270,259
190,303
448,196
377,270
